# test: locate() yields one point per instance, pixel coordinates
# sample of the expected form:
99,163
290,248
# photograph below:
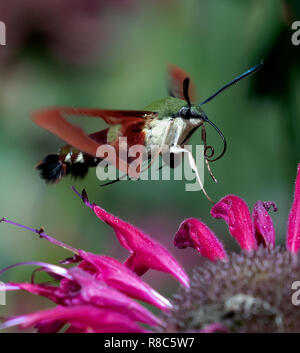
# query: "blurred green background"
115,58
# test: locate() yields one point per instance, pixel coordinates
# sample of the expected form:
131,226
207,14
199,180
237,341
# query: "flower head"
246,292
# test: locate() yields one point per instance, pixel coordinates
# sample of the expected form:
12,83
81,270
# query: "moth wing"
53,120
176,77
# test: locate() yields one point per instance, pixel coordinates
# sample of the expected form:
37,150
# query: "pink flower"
293,229
83,318
263,225
246,292
117,275
236,214
97,294
83,289
146,253
249,232
195,234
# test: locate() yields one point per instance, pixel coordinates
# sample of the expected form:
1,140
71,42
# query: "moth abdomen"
51,168
55,166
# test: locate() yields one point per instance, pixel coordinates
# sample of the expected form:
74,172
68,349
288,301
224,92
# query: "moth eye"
184,112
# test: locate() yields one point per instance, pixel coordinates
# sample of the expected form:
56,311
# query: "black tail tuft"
77,170
51,168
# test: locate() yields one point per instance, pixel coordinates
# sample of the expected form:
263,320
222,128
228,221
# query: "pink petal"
293,228
146,253
9,287
117,275
197,235
53,270
97,293
39,289
85,316
263,224
236,214
88,290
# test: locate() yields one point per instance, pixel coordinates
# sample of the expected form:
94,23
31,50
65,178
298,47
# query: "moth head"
195,112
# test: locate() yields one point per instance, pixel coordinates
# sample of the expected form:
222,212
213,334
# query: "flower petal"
263,224
192,232
236,214
146,253
51,269
88,290
293,228
117,275
97,293
85,316
39,289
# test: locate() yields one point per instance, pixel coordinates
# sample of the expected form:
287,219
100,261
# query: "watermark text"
296,35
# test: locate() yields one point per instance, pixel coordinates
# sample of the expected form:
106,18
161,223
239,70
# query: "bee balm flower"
246,292
97,294
250,291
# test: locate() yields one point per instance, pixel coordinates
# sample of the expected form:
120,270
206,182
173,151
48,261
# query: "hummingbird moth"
169,122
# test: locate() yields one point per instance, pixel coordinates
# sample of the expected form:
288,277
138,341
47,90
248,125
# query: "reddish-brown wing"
176,77
53,120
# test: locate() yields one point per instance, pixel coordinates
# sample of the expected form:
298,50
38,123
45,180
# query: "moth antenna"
234,81
186,83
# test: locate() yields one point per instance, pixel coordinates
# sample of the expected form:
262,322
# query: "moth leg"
210,171
112,182
178,149
152,160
